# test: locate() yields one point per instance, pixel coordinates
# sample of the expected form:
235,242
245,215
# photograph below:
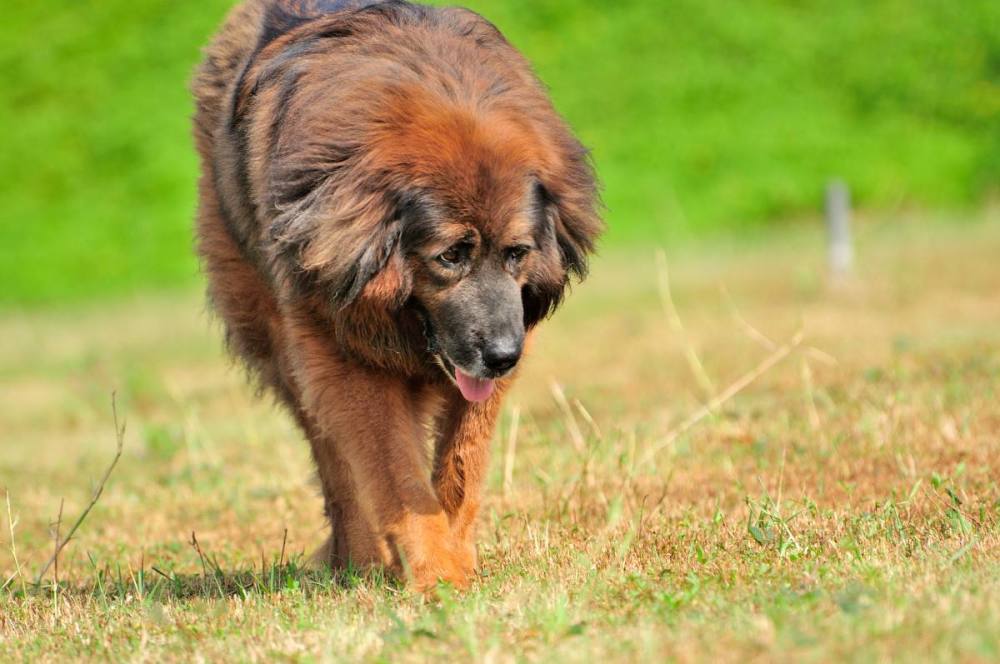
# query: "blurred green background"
704,117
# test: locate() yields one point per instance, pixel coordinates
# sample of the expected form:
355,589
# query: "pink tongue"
473,389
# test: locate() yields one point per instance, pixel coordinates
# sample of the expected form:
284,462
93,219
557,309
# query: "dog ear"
347,248
570,199
569,224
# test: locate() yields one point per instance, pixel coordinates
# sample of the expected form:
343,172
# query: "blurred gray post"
838,227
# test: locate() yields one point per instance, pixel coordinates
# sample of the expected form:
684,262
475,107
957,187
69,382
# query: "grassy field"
701,117
845,505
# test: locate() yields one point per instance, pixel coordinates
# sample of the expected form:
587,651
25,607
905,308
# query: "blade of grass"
61,544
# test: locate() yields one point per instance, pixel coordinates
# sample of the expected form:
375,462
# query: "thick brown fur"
343,142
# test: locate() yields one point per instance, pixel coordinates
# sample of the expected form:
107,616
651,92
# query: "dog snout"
500,355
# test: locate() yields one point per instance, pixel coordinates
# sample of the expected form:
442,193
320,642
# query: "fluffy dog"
388,205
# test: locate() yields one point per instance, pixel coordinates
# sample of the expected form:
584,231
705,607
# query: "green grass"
834,510
701,116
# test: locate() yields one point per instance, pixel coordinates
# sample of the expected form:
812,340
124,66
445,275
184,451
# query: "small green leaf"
762,536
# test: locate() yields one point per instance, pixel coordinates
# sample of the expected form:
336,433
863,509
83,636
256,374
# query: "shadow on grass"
153,584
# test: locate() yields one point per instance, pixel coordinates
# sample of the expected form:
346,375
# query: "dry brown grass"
828,511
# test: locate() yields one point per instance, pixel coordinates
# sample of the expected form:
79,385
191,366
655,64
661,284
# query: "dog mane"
341,115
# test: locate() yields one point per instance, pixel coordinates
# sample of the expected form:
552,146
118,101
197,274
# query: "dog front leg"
372,419
461,461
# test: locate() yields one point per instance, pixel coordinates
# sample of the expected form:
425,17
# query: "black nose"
501,355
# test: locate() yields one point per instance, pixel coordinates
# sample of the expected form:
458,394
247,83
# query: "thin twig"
120,435
13,548
744,324
779,354
575,434
762,339
781,477
508,462
667,300
589,419
809,386
55,541
201,554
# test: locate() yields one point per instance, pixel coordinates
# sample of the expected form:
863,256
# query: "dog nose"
500,356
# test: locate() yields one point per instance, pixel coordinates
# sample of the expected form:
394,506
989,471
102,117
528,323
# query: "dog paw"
442,561
426,554
442,570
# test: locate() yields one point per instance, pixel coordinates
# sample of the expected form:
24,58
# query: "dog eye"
454,255
517,254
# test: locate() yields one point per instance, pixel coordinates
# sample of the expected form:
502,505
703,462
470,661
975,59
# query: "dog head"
455,191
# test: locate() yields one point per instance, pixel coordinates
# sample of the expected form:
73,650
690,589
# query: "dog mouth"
473,388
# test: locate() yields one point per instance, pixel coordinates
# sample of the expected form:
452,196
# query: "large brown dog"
388,203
